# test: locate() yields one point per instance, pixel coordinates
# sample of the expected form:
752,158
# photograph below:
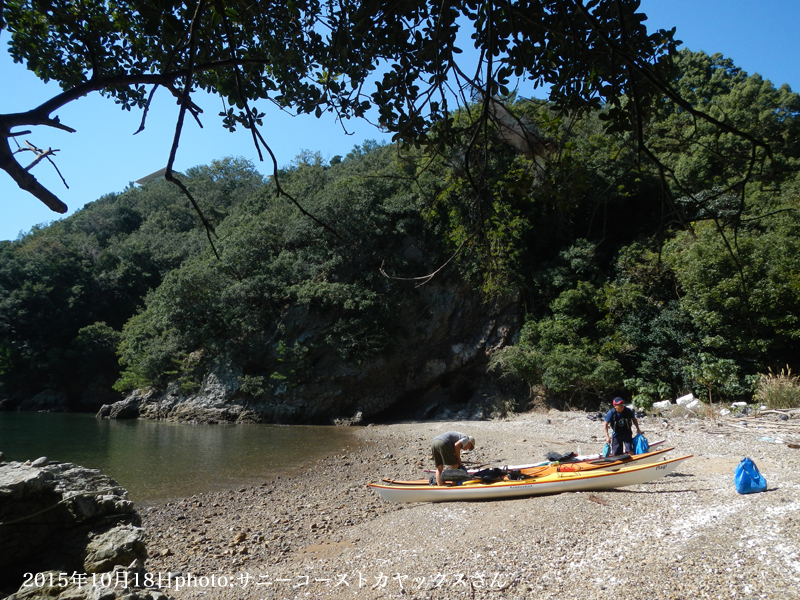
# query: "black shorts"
621,446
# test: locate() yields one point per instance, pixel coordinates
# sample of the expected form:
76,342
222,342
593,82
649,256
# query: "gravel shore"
323,534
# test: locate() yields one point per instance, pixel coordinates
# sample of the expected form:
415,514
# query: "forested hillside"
685,282
643,275
581,267
67,289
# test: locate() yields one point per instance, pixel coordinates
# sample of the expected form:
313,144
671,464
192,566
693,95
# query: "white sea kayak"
577,481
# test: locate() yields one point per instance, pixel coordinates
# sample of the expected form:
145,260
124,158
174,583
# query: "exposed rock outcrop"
62,525
89,398
436,361
48,400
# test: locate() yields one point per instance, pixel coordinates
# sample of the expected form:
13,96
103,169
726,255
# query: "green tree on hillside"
67,290
699,295
285,293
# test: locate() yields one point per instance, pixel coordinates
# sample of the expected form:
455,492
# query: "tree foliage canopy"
415,61
657,278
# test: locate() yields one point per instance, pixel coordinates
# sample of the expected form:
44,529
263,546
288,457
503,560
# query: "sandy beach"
323,534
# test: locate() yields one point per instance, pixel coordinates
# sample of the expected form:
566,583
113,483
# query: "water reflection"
157,460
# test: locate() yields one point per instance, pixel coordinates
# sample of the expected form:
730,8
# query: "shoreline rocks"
61,525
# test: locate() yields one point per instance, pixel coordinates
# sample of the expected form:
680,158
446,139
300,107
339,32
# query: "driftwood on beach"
779,425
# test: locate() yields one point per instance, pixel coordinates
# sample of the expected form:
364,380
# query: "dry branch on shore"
770,422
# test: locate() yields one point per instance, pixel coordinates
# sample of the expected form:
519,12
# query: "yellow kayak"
612,463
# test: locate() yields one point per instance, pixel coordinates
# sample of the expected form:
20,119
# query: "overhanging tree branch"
312,56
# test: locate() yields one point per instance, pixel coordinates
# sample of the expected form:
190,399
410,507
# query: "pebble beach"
321,533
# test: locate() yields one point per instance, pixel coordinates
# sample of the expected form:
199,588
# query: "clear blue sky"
104,155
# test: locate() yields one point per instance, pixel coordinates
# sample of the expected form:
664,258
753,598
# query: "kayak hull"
552,484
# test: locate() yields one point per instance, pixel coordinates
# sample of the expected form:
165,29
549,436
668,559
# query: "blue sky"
103,156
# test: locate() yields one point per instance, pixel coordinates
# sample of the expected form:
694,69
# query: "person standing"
446,449
620,418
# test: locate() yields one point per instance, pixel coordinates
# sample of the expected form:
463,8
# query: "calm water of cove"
157,461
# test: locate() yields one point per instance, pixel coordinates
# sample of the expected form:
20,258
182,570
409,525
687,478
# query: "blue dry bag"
640,445
748,479
606,450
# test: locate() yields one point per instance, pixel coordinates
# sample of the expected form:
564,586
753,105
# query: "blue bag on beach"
606,450
748,479
640,445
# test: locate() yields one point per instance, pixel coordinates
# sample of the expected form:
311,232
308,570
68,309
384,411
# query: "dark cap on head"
618,401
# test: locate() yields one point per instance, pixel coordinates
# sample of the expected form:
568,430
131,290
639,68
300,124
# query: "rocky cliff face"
436,362
59,520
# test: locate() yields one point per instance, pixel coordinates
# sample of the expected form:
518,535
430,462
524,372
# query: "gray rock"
124,409
54,517
47,401
354,420
117,546
84,591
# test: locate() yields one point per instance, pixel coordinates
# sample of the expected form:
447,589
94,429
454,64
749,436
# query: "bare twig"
40,154
283,192
25,180
426,278
146,109
187,105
